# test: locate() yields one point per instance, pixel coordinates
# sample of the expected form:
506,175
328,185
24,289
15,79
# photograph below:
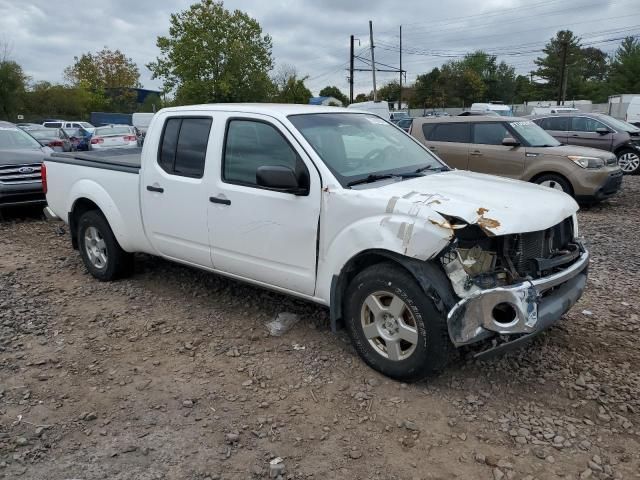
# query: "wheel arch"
428,274
79,208
556,174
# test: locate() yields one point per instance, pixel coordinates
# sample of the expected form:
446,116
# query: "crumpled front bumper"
526,308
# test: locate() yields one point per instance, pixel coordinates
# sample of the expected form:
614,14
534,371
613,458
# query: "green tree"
103,70
362,97
550,65
390,91
294,91
430,89
625,68
152,103
214,55
334,92
12,86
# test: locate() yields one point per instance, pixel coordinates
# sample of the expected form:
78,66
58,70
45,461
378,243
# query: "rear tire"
556,182
394,326
99,249
629,161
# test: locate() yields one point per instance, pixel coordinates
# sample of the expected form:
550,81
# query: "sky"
313,35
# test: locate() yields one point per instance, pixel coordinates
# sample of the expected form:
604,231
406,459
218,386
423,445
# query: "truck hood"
500,206
22,156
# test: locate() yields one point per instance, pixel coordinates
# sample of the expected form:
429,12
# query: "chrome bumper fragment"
525,308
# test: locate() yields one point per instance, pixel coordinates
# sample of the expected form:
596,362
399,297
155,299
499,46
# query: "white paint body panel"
271,238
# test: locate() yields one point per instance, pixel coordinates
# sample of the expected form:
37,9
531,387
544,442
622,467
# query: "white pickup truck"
338,207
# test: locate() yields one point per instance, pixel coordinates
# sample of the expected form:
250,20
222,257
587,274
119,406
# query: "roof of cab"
471,119
272,109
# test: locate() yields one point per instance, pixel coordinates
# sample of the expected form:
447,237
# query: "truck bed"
118,159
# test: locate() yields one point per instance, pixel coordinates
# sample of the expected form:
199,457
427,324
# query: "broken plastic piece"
283,322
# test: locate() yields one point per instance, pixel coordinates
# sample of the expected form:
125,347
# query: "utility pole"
563,73
373,62
351,72
400,92
564,84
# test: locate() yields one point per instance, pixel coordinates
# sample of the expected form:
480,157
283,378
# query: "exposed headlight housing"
587,162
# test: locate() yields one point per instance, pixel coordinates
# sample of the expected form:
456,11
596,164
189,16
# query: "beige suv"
520,149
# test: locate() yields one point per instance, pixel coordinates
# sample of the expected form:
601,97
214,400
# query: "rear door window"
560,124
184,146
489,133
451,132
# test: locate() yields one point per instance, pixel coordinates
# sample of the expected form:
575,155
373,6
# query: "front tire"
99,249
394,326
556,182
629,161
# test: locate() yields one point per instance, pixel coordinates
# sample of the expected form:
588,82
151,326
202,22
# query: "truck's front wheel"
394,326
100,251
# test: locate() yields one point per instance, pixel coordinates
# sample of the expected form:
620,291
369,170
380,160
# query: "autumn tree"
103,70
214,55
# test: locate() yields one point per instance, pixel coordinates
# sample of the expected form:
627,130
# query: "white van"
379,108
554,109
633,112
502,110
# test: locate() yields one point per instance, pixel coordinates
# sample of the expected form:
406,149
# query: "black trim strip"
118,167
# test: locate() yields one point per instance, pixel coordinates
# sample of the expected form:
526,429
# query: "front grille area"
16,174
527,247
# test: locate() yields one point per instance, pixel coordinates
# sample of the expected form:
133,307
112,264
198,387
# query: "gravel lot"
171,375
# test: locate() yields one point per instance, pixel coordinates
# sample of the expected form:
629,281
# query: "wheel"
629,161
556,182
394,326
100,251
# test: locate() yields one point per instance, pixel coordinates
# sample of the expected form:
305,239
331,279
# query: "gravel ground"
171,375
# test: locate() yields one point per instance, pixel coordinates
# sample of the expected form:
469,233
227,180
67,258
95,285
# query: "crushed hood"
500,206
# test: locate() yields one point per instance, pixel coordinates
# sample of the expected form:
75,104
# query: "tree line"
214,55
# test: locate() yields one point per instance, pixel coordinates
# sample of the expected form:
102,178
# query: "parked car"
518,148
435,113
488,113
598,131
29,126
632,114
405,123
500,109
80,138
20,159
114,136
340,208
66,124
54,138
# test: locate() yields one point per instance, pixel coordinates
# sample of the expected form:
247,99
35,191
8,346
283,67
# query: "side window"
251,144
585,124
489,133
74,125
451,132
556,123
184,146
427,128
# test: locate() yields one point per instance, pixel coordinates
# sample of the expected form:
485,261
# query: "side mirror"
279,178
603,130
510,142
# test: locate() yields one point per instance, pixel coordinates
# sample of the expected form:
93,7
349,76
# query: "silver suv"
598,131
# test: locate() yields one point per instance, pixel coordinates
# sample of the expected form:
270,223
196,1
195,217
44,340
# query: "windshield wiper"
370,178
428,167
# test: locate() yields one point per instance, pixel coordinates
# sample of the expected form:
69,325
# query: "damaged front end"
511,286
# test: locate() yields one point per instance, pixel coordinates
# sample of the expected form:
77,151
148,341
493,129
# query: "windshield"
106,131
355,146
533,135
85,125
44,133
620,125
17,139
504,113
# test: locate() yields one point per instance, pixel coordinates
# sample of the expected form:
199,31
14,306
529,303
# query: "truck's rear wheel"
99,249
394,326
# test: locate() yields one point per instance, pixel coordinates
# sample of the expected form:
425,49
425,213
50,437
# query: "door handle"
433,149
223,201
477,153
151,188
